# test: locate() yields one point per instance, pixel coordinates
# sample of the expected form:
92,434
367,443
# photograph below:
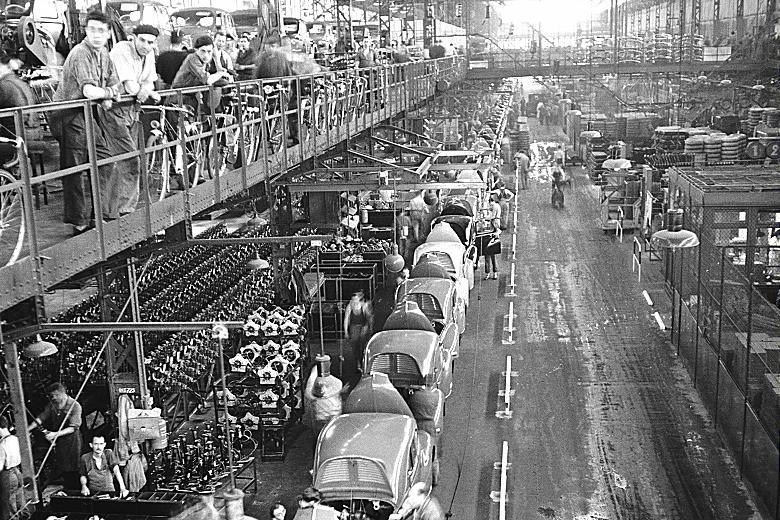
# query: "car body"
374,393
264,31
412,359
148,12
298,32
457,259
356,467
438,299
199,21
408,316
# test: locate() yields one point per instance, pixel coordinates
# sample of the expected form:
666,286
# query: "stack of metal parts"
688,48
635,126
669,138
631,49
658,48
523,135
600,50
732,147
601,124
754,117
771,117
712,148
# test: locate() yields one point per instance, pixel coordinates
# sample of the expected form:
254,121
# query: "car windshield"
128,11
291,28
193,17
245,20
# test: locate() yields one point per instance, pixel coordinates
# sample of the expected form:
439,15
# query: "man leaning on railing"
135,66
88,73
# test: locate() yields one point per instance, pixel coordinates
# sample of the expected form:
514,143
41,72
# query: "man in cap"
88,73
134,63
193,71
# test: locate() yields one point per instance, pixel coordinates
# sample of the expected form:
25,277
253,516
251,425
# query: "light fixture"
725,82
40,348
257,263
758,86
674,236
394,262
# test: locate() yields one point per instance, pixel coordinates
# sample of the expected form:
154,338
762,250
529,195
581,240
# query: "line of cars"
389,436
262,24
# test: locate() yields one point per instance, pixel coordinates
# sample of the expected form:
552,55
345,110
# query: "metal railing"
315,111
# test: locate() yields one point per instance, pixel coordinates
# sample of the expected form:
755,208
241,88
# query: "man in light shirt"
11,486
137,72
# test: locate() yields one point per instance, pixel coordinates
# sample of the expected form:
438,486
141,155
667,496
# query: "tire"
11,221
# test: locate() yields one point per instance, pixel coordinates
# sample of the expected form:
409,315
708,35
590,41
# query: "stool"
36,161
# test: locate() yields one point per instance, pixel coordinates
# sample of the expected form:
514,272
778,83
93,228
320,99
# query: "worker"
417,210
61,420
11,486
505,196
98,470
522,163
560,157
322,396
419,502
358,324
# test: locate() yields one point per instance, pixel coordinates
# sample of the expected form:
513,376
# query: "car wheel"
435,469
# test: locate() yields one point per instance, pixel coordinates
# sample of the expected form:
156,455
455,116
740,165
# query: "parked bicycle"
12,223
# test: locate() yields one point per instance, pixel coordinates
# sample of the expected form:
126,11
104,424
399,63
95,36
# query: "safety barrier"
200,144
636,259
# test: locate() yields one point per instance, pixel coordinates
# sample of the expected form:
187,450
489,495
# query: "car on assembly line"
148,12
457,259
298,33
200,21
367,462
262,25
412,358
437,298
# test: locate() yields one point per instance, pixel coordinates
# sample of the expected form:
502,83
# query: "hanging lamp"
40,348
394,262
674,236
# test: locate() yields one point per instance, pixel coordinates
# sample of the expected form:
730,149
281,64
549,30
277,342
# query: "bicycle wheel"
11,221
158,170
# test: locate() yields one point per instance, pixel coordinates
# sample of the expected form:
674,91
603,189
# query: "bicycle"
12,223
166,153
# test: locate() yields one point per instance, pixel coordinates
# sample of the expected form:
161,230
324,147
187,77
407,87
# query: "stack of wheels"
669,138
694,145
731,148
754,117
771,116
631,49
659,48
712,147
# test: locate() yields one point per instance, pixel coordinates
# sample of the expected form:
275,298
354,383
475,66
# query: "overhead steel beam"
377,185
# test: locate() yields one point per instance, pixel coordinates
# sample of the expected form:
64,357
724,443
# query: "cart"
621,201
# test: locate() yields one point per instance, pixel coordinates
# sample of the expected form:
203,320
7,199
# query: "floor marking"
659,320
647,298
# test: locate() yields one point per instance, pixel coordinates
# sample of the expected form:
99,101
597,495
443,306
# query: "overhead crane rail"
219,150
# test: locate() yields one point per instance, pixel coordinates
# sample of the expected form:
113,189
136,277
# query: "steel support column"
125,372
696,17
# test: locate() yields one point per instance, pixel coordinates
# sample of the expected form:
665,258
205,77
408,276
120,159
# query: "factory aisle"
604,421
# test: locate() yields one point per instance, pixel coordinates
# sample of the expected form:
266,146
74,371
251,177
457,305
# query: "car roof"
352,459
420,345
454,250
439,288
374,393
204,8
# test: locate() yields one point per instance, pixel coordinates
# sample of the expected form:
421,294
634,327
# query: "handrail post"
94,176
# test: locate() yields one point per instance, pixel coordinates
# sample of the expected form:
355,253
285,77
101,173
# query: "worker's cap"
145,28
202,41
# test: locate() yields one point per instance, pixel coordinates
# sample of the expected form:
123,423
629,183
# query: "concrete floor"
605,423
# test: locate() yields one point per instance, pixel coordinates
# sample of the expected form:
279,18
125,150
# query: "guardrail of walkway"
324,108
